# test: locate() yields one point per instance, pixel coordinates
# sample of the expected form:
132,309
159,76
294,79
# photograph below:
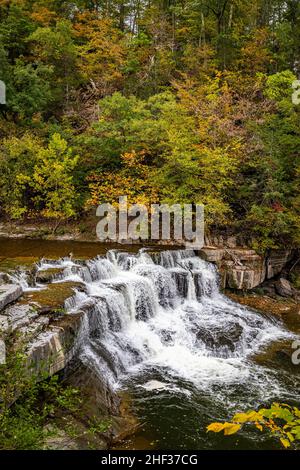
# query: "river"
167,337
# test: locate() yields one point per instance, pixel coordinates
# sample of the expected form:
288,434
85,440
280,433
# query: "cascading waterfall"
164,310
157,321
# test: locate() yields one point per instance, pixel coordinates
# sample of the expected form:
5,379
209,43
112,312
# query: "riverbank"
81,230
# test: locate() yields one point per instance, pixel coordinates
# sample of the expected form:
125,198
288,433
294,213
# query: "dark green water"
178,421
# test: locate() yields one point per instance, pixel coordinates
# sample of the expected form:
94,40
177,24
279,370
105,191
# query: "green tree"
52,179
37,179
55,47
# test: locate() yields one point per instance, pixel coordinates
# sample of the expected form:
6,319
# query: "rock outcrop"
54,347
276,261
2,352
9,293
50,337
244,269
284,288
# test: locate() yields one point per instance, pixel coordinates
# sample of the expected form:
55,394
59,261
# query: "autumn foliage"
280,420
160,101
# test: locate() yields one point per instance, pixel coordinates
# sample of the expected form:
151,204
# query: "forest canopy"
162,101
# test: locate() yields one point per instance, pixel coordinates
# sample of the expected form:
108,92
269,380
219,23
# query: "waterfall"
163,311
21,278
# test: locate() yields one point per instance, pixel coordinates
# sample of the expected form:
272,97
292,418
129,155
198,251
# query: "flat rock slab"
52,297
9,293
16,317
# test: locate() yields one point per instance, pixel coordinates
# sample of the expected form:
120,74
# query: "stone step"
30,331
9,293
17,316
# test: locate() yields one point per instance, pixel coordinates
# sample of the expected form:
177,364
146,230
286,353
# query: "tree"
37,180
273,212
15,27
52,179
17,162
55,47
29,92
101,53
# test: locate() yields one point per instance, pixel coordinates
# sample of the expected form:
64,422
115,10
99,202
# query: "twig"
185,267
295,264
235,258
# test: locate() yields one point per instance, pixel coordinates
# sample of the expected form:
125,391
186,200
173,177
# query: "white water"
164,312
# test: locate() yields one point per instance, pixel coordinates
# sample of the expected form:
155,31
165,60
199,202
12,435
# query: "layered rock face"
36,319
35,322
244,269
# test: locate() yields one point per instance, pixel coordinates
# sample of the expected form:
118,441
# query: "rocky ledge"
244,269
8,294
37,323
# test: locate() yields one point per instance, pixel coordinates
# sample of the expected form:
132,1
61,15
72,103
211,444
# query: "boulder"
9,293
284,288
243,277
221,339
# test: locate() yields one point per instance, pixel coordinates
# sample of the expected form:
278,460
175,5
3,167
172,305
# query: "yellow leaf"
285,442
296,412
231,428
254,416
246,417
215,427
240,418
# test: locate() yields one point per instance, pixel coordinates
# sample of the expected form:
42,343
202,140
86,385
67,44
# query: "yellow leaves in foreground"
215,427
228,428
237,421
281,420
247,417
